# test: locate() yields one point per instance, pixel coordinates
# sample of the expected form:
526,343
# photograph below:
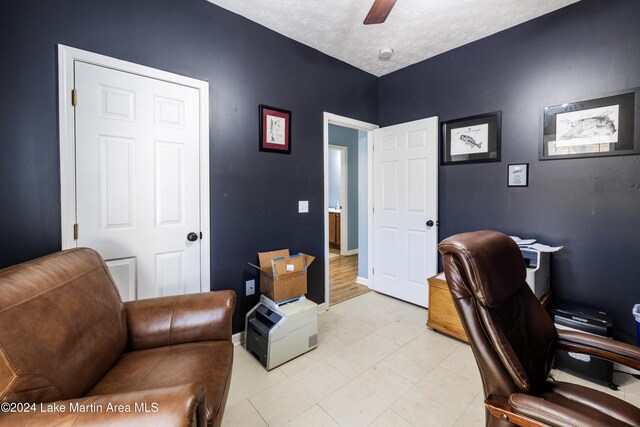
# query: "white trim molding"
67,57
362,281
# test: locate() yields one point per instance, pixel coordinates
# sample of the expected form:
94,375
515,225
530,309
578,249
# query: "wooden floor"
343,272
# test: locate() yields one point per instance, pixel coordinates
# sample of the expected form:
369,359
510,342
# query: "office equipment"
538,274
575,318
278,332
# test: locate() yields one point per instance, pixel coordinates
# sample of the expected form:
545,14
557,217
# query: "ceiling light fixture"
385,53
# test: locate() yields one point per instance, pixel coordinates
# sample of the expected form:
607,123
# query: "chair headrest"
491,261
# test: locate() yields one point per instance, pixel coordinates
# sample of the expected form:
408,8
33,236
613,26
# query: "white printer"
278,332
538,274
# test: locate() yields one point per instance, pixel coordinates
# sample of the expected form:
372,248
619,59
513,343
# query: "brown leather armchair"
513,340
72,353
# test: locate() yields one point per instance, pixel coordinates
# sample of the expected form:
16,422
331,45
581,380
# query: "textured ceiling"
415,29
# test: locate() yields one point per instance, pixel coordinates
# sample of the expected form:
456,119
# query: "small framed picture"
518,175
275,130
472,139
607,126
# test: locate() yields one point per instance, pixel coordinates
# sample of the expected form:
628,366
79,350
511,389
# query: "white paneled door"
405,209
137,179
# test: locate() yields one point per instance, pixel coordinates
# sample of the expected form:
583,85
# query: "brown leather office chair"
513,340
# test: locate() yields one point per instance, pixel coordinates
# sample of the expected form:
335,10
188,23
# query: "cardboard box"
283,276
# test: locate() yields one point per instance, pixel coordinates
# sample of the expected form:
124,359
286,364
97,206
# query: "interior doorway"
348,201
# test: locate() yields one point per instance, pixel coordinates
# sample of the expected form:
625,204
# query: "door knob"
192,237
429,223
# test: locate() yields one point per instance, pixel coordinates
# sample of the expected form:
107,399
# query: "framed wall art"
518,175
606,126
275,130
471,139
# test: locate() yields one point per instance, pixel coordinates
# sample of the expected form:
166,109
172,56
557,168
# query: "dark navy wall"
253,194
591,206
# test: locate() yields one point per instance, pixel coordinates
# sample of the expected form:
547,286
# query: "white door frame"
344,195
66,59
334,119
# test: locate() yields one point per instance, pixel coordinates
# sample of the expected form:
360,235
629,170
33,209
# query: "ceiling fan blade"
379,12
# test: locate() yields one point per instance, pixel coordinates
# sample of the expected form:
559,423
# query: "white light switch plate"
303,206
251,287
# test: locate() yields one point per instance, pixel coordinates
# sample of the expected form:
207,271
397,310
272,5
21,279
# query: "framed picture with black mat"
474,139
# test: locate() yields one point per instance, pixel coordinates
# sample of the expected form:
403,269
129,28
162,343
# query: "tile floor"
376,364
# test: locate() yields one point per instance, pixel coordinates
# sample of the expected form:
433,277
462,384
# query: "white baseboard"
237,339
322,307
351,252
362,281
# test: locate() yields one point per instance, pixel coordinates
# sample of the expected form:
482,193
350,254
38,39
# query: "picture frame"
518,175
474,139
275,130
604,126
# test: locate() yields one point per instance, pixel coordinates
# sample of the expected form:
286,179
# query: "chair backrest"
511,335
62,326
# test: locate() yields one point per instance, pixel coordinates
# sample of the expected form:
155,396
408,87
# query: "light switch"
303,206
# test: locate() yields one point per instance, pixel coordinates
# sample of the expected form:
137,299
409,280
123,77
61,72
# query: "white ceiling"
415,29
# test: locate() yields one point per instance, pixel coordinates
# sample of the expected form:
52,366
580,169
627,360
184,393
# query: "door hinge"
75,231
74,97
373,271
373,209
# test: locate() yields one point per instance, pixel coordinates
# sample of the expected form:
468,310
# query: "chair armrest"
181,406
179,319
597,346
501,409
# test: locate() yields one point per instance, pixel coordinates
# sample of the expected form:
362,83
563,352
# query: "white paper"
520,241
441,277
290,267
470,140
530,243
543,248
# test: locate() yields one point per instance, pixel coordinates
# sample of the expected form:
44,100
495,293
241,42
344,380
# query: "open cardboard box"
283,276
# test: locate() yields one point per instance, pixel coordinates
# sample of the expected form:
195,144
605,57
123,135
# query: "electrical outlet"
251,287
303,206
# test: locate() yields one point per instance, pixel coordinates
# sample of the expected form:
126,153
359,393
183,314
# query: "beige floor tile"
416,359
356,358
630,386
241,359
347,329
462,362
401,331
327,345
313,417
437,399
289,398
242,415
250,380
364,399
474,415
390,419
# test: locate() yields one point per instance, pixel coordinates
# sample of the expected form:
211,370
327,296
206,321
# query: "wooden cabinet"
442,314
334,229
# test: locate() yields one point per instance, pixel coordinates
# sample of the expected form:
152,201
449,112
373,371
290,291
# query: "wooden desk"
443,316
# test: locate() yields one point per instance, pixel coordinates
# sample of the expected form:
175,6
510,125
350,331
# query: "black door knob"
192,237
429,223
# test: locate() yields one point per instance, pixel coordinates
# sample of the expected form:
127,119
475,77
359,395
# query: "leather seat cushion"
208,363
573,405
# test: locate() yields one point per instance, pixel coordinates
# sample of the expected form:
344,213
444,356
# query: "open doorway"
348,160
